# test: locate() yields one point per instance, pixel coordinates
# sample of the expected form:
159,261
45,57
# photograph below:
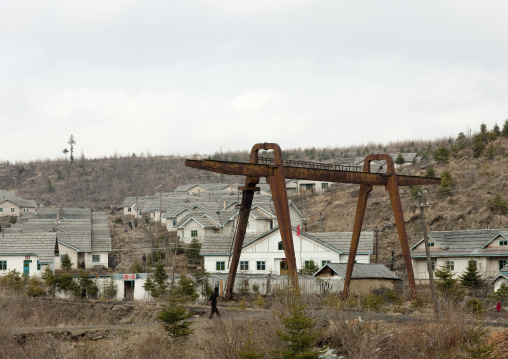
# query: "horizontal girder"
261,170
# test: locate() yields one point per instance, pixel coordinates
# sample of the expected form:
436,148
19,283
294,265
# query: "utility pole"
422,198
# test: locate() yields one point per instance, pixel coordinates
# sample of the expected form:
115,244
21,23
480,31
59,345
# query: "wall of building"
8,208
16,262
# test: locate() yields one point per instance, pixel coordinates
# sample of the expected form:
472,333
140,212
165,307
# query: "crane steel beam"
276,174
254,169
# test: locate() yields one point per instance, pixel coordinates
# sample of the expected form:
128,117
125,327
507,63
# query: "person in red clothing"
213,302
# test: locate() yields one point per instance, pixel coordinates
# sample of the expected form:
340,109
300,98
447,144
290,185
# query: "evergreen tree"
496,130
446,284
250,348
299,332
49,278
400,160
309,268
156,283
490,153
66,263
471,277
174,317
84,280
478,145
430,172
71,143
446,185
501,294
201,278
186,287
442,155
504,131
193,249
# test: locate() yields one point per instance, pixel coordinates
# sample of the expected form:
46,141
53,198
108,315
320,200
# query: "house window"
1,209
38,265
174,222
12,209
309,264
140,213
260,265
324,185
194,233
220,265
3,265
503,242
62,256
271,224
450,265
96,258
433,265
502,263
309,186
281,247
244,265
129,209
431,244
471,261
323,263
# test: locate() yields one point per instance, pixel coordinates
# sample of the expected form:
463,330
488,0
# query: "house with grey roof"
80,233
264,253
487,248
366,277
203,219
27,253
501,278
11,205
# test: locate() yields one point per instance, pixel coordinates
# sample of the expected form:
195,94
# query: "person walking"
213,302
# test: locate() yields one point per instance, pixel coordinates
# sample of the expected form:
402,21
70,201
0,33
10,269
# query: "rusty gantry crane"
277,170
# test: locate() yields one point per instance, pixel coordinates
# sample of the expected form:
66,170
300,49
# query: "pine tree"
186,287
174,317
400,160
471,277
202,282
66,263
250,348
299,331
504,131
501,294
442,155
446,185
446,284
193,249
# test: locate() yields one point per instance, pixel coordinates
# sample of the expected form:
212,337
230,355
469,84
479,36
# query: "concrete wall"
16,262
487,267
8,208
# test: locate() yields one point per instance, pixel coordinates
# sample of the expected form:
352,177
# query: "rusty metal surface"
241,168
276,171
393,190
277,182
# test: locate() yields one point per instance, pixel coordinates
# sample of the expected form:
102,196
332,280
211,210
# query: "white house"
501,278
10,205
202,220
488,248
80,233
27,253
264,253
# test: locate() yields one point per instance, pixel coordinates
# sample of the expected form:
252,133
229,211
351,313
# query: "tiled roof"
336,241
82,229
42,245
362,271
464,243
11,197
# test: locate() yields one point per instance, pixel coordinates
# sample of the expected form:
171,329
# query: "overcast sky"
195,76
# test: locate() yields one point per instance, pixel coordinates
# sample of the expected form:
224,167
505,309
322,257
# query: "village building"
487,248
201,220
80,233
366,277
264,253
11,205
27,254
501,278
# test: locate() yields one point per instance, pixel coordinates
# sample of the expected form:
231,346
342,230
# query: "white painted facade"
488,267
22,263
266,250
77,258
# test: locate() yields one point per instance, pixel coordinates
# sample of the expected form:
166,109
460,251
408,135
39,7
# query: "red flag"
498,306
298,230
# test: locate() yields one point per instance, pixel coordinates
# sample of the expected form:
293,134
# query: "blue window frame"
244,265
220,265
3,265
96,258
260,265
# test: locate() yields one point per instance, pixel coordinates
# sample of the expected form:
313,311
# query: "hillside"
477,166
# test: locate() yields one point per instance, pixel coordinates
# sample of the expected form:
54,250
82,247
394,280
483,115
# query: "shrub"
475,306
442,155
118,220
12,280
373,302
259,301
109,291
66,263
13,220
34,288
193,249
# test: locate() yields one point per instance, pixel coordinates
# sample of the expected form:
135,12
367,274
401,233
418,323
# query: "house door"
26,267
283,267
128,290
